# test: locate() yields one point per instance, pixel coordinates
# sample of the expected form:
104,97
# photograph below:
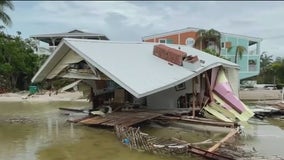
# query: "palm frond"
5,18
5,3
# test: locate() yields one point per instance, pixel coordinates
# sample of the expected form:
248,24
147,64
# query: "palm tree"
204,37
239,51
265,61
200,38
3,15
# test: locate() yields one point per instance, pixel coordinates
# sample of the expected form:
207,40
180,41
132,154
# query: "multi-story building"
249,62
55,38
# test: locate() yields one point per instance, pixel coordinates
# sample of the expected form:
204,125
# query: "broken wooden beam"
214,123
227,137
199,121
207,154
209,87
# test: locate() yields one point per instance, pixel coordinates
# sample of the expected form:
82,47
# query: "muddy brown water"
39,131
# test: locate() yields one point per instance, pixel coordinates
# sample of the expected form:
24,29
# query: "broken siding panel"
223,110
241,117
227,100
223,89
217,114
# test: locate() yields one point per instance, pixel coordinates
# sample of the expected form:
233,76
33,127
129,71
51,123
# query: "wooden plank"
78,120
136,120
209,87
193,97
132,121
123,118
94,120
214,123
207,154
228,136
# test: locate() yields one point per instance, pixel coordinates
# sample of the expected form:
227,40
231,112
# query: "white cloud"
130,20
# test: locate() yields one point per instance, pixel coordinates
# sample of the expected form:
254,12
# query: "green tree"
265,60
5,18
214,53
240,50
278,68
18,62
204,37
266,71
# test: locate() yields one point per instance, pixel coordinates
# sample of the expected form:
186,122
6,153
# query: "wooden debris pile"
135,139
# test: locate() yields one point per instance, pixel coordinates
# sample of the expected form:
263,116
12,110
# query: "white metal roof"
131,65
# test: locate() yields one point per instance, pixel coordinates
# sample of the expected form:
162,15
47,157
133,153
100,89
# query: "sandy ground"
263,97
44,97
257,95
260,94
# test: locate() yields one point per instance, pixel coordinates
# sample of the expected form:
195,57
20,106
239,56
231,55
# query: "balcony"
252,65
252,52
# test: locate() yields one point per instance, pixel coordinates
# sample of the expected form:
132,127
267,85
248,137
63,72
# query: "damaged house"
151,76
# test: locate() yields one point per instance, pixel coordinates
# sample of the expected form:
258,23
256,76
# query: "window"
223,45
252,65
180,87
252,62
170,41
189,41
162,40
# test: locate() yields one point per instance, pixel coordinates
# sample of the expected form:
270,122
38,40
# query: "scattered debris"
135,139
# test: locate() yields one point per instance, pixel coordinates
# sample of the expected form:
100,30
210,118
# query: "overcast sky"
131,20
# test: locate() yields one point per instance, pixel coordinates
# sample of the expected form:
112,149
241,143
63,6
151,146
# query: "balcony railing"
252,52
252,67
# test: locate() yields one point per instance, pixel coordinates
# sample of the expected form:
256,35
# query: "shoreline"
22,97
256,96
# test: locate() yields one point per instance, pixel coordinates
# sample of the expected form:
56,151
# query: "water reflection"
26,128
45,135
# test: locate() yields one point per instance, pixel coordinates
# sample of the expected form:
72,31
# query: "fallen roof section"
131,65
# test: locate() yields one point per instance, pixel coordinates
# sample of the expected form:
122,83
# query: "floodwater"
39,131
266,137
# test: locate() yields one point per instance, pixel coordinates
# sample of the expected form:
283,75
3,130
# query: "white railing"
252,52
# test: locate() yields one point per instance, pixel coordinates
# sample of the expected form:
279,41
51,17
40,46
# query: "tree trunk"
14,79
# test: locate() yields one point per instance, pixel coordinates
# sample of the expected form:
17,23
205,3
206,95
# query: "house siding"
246,70
175,38
229,40
168,98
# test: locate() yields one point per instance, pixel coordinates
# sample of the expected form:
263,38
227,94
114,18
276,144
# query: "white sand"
260,94
22,96
255,95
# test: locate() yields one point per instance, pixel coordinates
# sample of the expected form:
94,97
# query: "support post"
193,97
